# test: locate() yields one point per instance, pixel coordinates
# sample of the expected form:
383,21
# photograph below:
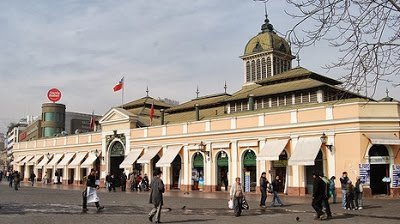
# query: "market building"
285,121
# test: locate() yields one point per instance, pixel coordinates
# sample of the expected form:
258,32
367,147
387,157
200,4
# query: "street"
44,204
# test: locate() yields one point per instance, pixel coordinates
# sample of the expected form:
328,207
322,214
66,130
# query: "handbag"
245,205
230,204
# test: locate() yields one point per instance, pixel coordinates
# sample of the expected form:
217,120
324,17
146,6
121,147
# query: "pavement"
48,204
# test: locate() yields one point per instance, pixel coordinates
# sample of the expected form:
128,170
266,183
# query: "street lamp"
324,140
97,154
202,148
48,155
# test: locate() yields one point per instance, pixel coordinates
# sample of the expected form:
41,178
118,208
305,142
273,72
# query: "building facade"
284,121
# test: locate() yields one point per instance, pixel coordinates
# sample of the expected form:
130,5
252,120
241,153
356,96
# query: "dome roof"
267,40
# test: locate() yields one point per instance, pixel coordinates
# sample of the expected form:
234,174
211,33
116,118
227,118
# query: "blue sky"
172,46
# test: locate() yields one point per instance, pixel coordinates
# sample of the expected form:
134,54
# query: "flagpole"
123,87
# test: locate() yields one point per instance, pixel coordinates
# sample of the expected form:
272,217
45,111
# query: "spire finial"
387,92
225,86
298,60
197,92
147,91
266,27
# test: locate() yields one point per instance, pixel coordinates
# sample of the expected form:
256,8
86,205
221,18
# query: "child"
358,193
350,196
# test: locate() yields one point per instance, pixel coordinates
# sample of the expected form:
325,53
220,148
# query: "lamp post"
202,148
324,140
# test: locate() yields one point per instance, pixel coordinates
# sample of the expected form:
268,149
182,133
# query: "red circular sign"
54,95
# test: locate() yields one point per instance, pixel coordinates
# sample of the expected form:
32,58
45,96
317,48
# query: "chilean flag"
151,113
119,85
92,122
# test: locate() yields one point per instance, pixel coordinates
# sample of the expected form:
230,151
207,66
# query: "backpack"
327,182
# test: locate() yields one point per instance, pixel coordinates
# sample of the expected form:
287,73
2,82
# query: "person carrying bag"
237,195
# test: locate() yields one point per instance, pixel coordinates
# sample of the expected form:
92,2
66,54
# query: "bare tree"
367,33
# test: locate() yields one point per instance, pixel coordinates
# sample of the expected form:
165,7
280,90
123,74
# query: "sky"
85,47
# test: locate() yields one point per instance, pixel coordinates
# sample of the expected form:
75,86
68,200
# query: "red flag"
151,113
119,85
92,122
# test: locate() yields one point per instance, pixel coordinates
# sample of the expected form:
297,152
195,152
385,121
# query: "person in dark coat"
318,195
263,188
276,185
17,179
32,178
123,181
156,196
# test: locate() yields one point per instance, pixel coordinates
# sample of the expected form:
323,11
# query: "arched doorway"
279,168
116,158
222,171
249,170
176,172
318,167
379,168
197,171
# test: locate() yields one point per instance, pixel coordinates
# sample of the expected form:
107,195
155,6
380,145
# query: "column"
65,177
260,164
209,180
330,156
26,173
234,167
186,169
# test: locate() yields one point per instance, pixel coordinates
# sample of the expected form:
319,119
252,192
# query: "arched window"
258,69
253,71
263,69
248,71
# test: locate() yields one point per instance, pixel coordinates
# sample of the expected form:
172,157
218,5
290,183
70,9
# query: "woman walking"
237,195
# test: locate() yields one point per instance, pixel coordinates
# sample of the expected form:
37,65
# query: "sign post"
54,95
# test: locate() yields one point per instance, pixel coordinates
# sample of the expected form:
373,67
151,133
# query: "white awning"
67,158
305,152
169,155
18,159
272,149
55,160
35,160
149,154
383,139
131,158
43,162
77,160
26,159
88,163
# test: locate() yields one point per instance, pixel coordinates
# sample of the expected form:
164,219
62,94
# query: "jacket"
319,188
234,188
157,189
91,181
343,182
263,183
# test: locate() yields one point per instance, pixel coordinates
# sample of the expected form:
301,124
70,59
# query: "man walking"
263,188
343,183
123,181
318,196
89,194
276,185
32,178
156,196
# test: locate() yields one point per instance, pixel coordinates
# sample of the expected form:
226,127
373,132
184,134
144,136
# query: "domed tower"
266,55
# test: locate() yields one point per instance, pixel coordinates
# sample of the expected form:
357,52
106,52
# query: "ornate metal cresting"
110,138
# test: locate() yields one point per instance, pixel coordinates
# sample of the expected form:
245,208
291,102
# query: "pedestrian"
89,195
32,178
332,189
156,196
17,179
123,181
108,182
132,181
263,188
318,196
325,200
145,182
350,196
10,179
343,185
237,195
358,193
46,178
276,185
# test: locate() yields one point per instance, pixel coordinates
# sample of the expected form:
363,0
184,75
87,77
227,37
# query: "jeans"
156,211
276,198
358,199
237,205
263,197
325,204
344,198
333,192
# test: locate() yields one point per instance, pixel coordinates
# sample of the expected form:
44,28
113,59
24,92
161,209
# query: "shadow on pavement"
189,221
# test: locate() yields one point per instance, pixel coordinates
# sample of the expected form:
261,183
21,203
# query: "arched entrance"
116,158
249,170
379,168
222,171
318,167
176,172
279,168
197,171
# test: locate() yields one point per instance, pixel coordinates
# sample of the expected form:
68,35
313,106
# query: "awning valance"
35,160
67,158
169,155
88,163
55,160
131,158
43,162
383,139
305,152
149,154
272,149
26,159
77,160
18,159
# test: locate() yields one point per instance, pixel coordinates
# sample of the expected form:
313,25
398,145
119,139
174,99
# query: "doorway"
222,171
379,169
279,169
197,171
318,167
249,171
116,158
176,172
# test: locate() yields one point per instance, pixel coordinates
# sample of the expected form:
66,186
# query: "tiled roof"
205,101
146,100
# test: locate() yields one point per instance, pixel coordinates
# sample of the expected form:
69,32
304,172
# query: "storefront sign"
280,163
396,175
364,173
247,181
54,95
379,159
